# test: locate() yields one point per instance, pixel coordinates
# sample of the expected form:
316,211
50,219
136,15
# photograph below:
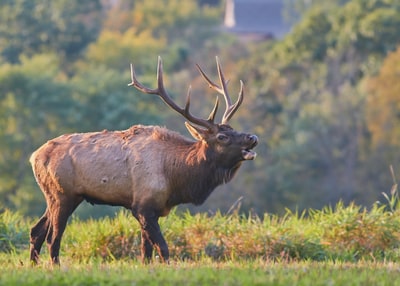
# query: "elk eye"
222,137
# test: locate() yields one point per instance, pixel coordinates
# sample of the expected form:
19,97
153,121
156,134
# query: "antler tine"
211,84
230,109
211,117
223,85
233,108
223,90
161,91
138,85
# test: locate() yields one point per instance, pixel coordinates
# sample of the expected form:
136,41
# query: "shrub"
13,232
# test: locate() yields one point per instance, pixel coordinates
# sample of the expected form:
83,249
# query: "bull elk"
146,169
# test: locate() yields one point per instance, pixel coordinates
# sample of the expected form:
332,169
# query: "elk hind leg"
37,236
58,222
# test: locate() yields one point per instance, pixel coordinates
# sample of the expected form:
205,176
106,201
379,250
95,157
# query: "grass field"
344,245
205,272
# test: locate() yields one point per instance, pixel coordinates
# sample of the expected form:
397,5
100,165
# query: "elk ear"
197,132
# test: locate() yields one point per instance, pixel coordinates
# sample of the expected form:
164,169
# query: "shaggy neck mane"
195,173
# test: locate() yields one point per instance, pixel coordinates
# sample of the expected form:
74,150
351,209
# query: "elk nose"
252,138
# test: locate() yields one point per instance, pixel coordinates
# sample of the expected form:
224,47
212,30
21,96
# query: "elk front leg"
152,237
146,248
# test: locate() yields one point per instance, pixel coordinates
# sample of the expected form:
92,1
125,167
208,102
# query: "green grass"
344,245
205,272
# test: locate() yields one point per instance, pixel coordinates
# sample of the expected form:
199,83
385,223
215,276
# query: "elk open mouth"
248,153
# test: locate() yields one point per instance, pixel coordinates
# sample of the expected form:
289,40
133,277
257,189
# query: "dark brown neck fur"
195,173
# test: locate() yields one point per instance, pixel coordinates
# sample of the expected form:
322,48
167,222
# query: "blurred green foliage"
311,97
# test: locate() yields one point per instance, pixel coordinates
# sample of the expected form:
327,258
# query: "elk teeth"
248,154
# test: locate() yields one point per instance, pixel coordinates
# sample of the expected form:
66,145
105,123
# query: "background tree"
324,137
312,107
35,104
383,116
64,27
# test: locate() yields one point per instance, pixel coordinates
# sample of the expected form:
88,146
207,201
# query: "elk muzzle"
247,152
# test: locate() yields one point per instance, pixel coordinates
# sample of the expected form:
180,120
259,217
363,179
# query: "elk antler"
160,90
230,108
